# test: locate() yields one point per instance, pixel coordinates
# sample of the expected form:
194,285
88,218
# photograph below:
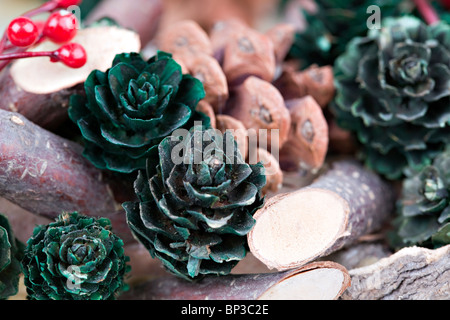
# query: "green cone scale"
131,107
194,212
74,258
425,205
393,92
11,251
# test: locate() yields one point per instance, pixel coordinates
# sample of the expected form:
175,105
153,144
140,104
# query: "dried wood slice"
261,108
316,281
40,89
308,139
342,205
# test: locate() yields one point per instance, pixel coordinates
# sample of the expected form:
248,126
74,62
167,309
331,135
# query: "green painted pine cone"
334,24
393,91
11,251
194,213
131,107
74,258
425,205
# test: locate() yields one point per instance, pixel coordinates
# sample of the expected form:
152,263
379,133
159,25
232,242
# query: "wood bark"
360,254
46,174
343,204
412,273
303,283
46,110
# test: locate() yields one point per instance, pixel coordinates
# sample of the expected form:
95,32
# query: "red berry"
72,55
67,3
22,32
61,27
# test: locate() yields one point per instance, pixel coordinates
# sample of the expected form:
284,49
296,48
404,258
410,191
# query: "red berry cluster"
60,27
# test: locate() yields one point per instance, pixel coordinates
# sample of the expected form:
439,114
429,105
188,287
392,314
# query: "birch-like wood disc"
345,203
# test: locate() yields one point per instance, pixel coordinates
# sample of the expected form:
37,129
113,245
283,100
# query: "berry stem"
5,59
46,7
3,42
32,54
427,11
5,62
10,46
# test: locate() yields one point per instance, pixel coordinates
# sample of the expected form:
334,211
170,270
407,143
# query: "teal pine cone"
393,92
11,251
131,107
335,23
74,258
425,205
194,214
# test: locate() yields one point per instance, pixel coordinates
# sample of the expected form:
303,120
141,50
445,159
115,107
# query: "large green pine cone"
393,91
11,251
131,107
425,205
194,214
334,24
74,258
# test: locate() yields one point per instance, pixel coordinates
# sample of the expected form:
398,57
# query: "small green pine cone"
11,251
74,258
425,205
